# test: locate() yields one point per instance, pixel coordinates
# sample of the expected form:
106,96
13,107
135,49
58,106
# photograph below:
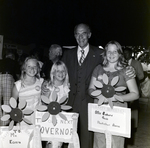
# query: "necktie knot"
82,51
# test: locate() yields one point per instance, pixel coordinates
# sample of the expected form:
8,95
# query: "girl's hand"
112,99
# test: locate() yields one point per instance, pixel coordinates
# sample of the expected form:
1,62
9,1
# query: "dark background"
45,22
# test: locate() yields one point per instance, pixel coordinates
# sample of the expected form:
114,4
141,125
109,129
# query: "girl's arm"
15,93
133,91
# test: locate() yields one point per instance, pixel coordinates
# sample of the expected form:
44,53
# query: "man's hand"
45,91
130,72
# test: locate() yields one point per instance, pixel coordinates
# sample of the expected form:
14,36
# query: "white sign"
1,45
19,137
63,131
102,118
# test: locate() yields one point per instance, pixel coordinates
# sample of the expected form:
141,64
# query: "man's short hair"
82,24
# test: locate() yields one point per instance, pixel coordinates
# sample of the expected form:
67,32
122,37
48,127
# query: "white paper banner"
63,131
20,137
102,119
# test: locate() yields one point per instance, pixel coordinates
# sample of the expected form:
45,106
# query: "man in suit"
79,77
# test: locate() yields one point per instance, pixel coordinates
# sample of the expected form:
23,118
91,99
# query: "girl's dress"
31,94
61,92
99,138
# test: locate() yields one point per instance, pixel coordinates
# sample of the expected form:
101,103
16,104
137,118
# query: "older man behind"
55,53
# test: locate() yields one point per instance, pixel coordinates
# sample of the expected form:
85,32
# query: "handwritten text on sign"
103,118
15,138
62,131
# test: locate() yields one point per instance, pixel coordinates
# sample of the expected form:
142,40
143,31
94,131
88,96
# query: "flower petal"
96,93
5,117
45,116
62,100
54,120
11,124
13,102
27,111
22,104
63,116
118,98
98,84
45,99
6,108
53,96
41,108
114,80
27,121
110,103
120,88
65,107
100,99
105,79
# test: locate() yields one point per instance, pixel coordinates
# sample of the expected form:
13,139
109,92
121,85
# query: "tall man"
80,62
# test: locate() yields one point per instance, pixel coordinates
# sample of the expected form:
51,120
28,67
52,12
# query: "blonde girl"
28,88
59,81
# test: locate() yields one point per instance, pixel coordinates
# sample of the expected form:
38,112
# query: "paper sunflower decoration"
53,108
107,90
14,113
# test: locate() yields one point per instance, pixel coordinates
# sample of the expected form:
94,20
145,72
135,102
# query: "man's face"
54,54
127,55
82,36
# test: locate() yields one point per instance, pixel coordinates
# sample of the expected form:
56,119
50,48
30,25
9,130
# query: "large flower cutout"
16,113
53,107
107,90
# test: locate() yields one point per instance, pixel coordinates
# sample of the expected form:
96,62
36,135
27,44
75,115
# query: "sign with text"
102,118
63,131
19,137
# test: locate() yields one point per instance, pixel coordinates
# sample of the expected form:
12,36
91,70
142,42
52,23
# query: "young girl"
28,88
114,64
59,82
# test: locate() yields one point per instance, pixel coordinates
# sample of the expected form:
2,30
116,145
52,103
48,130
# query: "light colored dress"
61,92
31,94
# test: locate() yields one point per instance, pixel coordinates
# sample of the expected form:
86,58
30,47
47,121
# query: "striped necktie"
82,57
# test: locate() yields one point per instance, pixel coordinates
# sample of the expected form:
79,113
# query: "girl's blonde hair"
54,69
23,68
121,61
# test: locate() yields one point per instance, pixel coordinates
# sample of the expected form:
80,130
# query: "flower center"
108,91
16,114
54,108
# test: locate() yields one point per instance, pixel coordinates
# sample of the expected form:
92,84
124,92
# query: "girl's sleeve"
41,80
18,85
96,71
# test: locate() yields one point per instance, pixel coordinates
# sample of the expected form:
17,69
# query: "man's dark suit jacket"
92,60
79,77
